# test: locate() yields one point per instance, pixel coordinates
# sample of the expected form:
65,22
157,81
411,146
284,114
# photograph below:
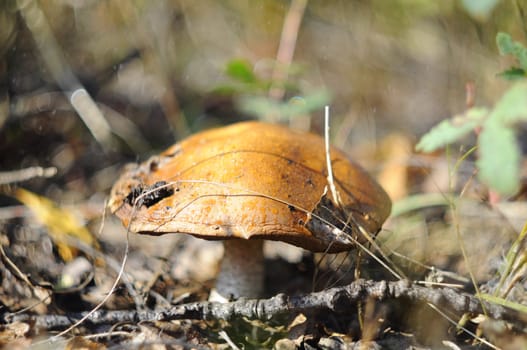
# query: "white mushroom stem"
241,272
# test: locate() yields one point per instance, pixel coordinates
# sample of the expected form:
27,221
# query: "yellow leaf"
60,222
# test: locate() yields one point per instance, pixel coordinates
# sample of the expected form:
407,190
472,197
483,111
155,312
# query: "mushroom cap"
251,180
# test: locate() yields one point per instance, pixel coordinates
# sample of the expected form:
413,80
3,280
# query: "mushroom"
246,183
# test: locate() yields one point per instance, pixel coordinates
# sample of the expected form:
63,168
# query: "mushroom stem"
242,270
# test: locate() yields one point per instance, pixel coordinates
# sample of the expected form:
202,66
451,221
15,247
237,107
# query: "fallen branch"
338,300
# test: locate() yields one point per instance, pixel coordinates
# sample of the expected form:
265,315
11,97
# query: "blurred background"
87,86
160,70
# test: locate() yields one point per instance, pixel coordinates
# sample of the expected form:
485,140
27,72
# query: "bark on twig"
338,300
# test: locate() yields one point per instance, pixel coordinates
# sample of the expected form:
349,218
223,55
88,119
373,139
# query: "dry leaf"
60,222
396,149
12,336
81,343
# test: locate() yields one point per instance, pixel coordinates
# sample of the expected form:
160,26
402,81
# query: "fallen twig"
338,300
8,177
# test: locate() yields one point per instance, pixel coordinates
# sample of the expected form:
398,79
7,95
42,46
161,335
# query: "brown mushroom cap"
251,180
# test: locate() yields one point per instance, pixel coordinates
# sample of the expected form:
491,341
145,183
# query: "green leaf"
303,105
258,106
512,107
241,70
499,161
513,73
263,106
505,43
509,47
226,90
451,130
480,9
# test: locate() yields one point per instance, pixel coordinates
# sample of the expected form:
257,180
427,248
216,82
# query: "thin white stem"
331,182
